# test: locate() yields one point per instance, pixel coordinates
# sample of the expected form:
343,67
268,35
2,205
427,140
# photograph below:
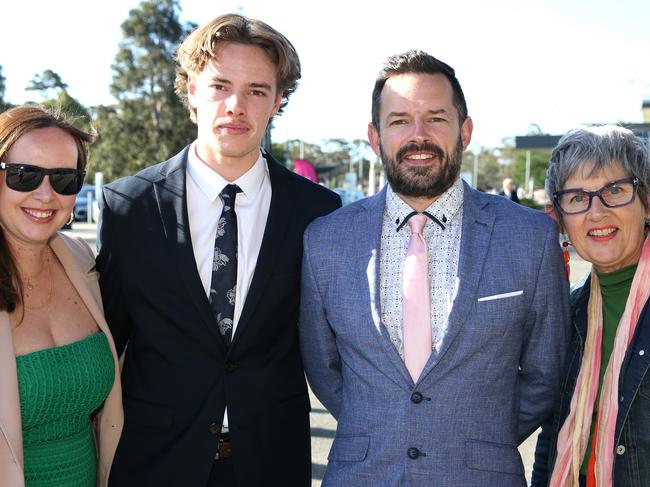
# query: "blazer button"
230,366
413,453
620,449
416,397
215,428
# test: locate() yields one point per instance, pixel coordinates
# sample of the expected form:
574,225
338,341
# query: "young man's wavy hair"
202,45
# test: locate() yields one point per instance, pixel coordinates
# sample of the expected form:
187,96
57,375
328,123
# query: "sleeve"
110,276
540,475
547,336
317,339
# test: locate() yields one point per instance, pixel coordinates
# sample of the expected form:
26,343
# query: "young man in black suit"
200,261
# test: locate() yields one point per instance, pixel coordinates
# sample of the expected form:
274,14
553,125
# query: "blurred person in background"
509,190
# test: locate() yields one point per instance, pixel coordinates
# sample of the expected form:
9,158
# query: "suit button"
416,397
215,428
620,449
230,366
413,453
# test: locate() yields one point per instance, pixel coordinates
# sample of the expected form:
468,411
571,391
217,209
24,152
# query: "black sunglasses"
25,178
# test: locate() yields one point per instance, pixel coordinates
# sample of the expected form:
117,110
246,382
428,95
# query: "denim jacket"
632,436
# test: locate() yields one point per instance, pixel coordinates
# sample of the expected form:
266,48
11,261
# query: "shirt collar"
211,183
444,209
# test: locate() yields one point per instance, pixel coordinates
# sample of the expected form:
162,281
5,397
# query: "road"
323,425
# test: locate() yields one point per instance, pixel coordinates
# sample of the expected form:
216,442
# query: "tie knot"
228,193
417,222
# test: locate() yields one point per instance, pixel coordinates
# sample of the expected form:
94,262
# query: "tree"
491,171
538,165
60,99
348,156
45,82
278,152
68,105
333,159
4,105
2,87
148,123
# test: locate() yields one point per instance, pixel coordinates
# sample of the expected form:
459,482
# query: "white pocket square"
501,296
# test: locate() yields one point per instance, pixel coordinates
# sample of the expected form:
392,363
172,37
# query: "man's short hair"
202,44
417,62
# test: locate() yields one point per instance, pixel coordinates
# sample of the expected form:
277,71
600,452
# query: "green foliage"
148,124
2,87
332,160
538,165
4,105
45,82
71,108
279,153
530,203
490,171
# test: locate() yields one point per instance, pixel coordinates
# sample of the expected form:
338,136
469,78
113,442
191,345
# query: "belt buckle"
223,447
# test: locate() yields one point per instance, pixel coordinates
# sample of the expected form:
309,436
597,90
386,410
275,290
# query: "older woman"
57,358
599,178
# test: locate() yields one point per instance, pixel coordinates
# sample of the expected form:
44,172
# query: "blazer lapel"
369,225
170,193
10,420
478,223
280,215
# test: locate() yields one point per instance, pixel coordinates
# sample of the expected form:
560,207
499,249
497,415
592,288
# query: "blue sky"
555,63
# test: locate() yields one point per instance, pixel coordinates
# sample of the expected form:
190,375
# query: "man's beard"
423,181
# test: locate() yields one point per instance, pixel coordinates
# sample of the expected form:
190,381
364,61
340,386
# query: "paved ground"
323,425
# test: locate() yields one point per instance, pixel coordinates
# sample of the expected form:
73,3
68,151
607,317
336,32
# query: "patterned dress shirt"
443,247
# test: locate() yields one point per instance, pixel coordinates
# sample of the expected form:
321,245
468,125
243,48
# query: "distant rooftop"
545,141
538,141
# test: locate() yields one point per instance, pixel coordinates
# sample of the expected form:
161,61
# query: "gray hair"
603,146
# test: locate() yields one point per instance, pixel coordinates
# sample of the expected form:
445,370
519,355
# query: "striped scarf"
574,434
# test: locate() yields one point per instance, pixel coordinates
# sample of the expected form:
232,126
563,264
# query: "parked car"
81,204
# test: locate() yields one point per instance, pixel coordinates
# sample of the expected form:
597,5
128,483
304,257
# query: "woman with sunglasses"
60,396
599,178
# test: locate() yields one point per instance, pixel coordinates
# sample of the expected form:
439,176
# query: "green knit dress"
59,389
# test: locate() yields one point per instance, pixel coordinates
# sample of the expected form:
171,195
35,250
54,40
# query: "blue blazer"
489,384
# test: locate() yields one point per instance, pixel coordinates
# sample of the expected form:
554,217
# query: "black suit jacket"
178,374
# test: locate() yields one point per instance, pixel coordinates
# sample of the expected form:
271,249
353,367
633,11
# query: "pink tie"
416,327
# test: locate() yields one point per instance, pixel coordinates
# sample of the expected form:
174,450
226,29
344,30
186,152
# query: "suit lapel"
478,223
170,193
10,419
277,223
369,225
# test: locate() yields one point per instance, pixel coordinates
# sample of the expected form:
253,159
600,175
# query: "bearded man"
432,335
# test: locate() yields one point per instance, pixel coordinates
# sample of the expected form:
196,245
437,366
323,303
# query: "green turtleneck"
614,288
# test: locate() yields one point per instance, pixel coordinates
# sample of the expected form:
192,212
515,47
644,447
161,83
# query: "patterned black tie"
223,286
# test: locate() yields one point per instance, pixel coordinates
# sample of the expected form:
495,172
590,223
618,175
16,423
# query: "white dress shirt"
443,248
204,209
